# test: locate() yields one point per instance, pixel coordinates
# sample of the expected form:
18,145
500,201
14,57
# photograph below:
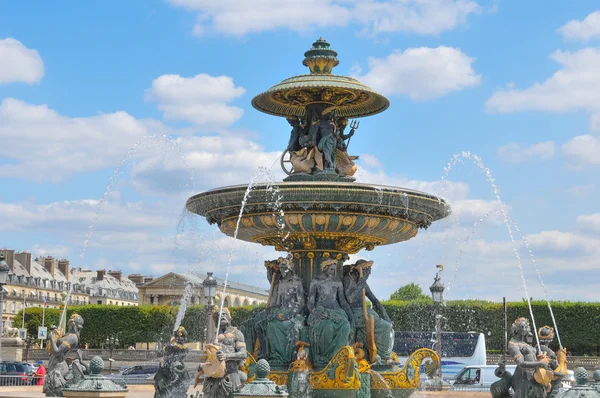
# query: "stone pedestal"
12,349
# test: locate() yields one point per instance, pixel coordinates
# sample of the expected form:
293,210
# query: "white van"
477,378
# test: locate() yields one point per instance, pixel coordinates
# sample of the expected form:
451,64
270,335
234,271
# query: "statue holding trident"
373,328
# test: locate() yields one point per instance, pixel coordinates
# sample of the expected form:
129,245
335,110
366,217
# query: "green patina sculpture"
374,329
330,321
325,218
596,383
60,346
92,383
261,386
172,379
284,317
581,390
545,336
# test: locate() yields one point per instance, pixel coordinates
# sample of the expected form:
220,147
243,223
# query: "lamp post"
111,343
437,295
210,291
4,269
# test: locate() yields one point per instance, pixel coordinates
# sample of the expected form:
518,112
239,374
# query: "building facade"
31,282
108,288
168,289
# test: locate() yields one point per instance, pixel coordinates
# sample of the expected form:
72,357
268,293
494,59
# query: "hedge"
578,322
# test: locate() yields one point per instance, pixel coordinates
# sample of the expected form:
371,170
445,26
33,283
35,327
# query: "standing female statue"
331,320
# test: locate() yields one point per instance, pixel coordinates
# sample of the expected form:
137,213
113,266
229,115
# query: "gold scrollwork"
409,375
278,377
246,367
343,366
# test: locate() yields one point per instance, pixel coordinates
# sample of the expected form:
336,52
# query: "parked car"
477,378
137,374
14,373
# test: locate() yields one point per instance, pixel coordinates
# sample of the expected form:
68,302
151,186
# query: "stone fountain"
317,303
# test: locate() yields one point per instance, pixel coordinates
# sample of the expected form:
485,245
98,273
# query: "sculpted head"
75,323
293,121
364,265
225,316
284,267
328,266
520,328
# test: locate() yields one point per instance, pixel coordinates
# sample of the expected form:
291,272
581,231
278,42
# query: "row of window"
45,283
116,293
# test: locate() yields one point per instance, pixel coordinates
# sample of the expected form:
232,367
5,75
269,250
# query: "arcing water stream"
458,158
114,178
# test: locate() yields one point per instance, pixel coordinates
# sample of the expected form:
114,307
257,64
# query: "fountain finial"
320,59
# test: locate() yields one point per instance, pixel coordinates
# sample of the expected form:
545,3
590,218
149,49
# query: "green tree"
409,292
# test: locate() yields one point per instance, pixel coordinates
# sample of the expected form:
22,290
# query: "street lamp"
437,295
111,343
210,291
29,341
4,269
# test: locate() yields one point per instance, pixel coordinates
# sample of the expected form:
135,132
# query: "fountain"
322,217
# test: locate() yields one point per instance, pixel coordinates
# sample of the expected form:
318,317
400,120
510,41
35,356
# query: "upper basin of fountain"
353,215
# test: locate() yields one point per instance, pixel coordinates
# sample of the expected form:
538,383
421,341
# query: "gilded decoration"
249,366
303,230
341,373
278,377
409,375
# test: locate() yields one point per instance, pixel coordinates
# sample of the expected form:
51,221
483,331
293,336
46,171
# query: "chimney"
10,258
100,274
63,266
118,275
148,279
25,259
50,265
138,279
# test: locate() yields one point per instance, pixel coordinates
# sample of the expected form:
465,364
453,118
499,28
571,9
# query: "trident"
354,126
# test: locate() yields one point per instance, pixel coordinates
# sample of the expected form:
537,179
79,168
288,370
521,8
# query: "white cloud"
19,63
45,145
559,241
589,222
470,211
422,73
216,160
581,190
421,17
202,99
575,87
515,153
582,150
584,30
240,17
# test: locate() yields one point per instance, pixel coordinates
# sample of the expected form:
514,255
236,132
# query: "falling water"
109,188
187,294
237,227
488,174
541,281
461,250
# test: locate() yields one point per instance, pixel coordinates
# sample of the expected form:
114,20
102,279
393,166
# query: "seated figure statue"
532,376
381,334
59,348
284,319
330,321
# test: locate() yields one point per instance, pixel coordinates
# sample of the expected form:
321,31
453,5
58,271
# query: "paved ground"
148,392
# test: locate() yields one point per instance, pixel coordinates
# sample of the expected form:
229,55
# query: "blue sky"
513,82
